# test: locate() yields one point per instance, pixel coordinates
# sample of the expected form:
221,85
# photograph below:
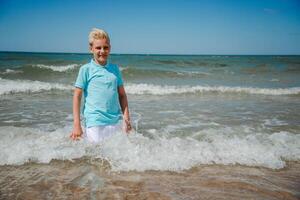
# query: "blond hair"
96,34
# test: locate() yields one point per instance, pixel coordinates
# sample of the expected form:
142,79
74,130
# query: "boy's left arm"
124,106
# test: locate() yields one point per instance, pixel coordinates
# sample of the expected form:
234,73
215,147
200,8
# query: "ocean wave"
137,152
22,86
167,90
135,72
11,71
55,68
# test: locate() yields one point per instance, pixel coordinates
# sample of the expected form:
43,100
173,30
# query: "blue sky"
153,27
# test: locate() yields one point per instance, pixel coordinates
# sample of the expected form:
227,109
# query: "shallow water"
92,179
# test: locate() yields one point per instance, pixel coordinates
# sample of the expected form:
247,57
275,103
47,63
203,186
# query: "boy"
101,84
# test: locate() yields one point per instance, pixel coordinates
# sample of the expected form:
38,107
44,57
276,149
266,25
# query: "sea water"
188,111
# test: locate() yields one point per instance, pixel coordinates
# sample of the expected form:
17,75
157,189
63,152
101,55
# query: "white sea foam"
123,68
274,122
21,86
140,153
11,71
193,73
167,90
56,68
21,145
136,152
274,80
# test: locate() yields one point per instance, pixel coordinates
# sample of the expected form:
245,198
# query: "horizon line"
150,54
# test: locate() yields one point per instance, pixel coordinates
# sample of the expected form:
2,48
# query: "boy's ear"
90,48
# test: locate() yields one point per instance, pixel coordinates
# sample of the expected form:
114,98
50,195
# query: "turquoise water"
187,110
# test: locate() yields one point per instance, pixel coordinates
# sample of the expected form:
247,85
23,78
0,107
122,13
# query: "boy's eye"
104,48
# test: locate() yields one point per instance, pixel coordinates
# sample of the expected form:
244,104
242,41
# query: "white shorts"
96,134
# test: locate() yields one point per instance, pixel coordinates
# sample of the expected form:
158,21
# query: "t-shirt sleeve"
81,80
119,77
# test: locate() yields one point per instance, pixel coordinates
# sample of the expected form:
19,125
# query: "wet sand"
93,179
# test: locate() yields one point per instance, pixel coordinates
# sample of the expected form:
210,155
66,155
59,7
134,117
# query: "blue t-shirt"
101,98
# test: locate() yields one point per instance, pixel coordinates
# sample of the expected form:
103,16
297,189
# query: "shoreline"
88,179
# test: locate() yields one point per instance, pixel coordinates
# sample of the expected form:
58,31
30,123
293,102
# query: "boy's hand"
76,134
127,125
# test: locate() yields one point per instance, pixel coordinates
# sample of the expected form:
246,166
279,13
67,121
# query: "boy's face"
100,49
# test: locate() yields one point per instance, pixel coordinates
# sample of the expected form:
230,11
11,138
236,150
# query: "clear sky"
153,27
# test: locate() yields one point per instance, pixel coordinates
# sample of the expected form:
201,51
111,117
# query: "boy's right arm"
77,130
